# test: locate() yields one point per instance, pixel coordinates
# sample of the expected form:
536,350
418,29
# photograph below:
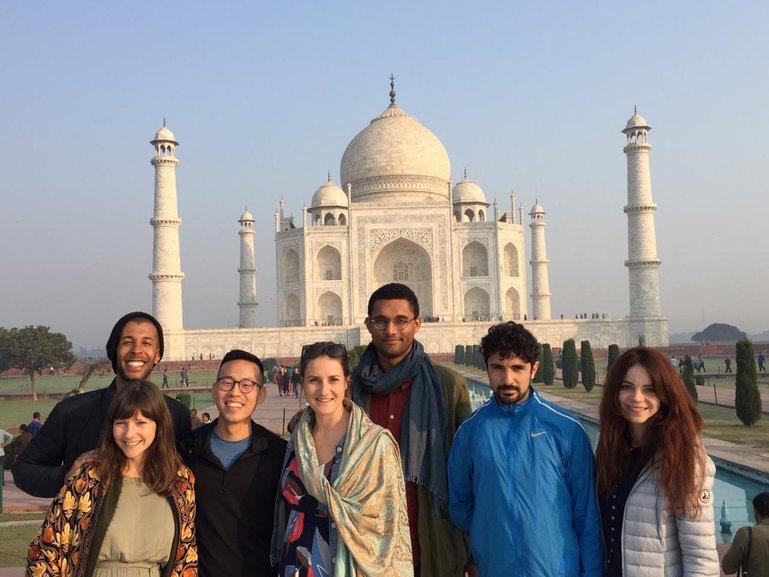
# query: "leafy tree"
546,366
354,355
613,356
89,369
570,364
719,332
747,399
33,349
588,365
687,373
185,399
5,354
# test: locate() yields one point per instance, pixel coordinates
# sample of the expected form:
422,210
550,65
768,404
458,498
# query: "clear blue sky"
264,97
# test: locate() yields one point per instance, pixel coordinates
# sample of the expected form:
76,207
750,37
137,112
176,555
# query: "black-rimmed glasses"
381,323
245,385
333,350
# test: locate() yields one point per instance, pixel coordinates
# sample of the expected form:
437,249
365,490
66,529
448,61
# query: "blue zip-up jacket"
522,484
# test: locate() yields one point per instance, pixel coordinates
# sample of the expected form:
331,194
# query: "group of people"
387,472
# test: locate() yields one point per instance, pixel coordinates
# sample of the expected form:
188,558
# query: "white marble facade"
397,218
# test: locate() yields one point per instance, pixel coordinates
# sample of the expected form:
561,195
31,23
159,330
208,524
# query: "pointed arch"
477,305
330,309
512,305
328,264
407,259
290,266
510,260
475,260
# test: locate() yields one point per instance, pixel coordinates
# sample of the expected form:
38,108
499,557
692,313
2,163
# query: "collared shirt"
387,411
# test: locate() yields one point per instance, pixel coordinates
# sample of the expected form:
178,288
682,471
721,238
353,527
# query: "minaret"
166,273
247,302
642,263
540,284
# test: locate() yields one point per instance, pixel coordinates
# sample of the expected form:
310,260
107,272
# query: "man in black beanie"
71,433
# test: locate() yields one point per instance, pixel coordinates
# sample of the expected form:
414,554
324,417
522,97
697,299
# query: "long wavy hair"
672,435
161,461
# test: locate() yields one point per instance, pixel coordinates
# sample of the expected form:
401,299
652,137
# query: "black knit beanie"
114,336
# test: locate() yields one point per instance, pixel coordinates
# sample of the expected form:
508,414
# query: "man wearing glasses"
236,463
422,405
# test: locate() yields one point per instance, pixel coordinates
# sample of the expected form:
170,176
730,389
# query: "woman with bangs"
131,512
341,504
655,481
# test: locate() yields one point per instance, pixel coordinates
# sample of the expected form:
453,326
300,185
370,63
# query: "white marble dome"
246,216
637,121
467,191
329,195
537,209
165,134
396,159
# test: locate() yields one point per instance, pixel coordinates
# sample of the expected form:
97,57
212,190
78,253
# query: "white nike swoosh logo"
538,434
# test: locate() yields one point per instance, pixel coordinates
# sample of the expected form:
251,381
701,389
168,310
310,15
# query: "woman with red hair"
655,480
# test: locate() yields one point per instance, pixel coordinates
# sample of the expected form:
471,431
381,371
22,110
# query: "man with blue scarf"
422,405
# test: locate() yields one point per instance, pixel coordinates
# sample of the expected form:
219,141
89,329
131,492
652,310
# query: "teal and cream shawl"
366,500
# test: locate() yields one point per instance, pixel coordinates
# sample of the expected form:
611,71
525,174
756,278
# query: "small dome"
329,195
537,209
467,191
637,121
246,216
164,134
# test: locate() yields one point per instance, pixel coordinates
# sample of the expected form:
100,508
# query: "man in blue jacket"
521,473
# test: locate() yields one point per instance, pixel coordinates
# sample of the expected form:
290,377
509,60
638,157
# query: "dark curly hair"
394,291
510,340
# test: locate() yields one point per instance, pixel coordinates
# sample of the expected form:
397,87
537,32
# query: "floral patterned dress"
305,551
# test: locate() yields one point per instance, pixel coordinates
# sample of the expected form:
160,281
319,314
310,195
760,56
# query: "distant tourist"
5,439
165,378
761,362
727,364
35,424
194,419
750,548
700,364
655,481
205,418
23,439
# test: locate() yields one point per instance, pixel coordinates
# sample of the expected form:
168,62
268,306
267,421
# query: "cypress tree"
747,399
688,375
538,375
459,355
546,366
613,356
588,365
468,355
570,364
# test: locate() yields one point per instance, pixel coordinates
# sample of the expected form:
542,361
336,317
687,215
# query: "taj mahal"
397,217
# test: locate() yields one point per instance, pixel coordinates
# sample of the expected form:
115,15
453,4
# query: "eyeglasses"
245,385
333,350
381,323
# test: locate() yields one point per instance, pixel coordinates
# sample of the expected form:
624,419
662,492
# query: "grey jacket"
657,543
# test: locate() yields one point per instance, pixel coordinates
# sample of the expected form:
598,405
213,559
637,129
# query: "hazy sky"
265,96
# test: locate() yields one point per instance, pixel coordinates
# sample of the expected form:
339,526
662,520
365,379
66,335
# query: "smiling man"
422,405
237,464
521,473
72,430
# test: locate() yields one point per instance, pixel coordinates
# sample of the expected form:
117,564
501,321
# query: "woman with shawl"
341,505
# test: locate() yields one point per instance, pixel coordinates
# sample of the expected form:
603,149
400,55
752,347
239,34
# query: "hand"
85,459
471,570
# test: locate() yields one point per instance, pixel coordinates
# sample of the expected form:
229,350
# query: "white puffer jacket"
656,543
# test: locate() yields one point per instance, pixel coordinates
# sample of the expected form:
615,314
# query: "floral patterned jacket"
74,527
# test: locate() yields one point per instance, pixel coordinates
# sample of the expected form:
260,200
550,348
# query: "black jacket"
235,507
72,428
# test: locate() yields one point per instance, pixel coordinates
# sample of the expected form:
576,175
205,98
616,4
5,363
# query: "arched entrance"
406,262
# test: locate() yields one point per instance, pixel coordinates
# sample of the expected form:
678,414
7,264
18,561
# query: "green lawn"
13,412
15,539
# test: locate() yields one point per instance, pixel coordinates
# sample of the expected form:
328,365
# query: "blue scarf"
423,429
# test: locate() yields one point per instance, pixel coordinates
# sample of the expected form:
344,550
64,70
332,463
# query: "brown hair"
161,461
672,434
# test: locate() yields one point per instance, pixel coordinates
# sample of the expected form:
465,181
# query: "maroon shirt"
387,411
